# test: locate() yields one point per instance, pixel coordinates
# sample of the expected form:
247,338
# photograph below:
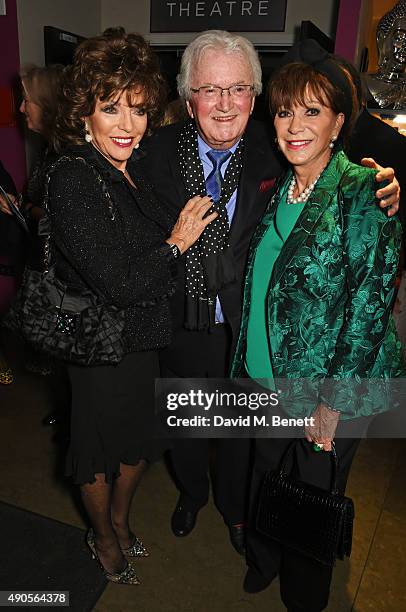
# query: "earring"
333,139
277,143
137,145
88,136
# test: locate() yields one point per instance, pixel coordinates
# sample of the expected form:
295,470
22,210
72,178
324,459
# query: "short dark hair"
103,67
289,86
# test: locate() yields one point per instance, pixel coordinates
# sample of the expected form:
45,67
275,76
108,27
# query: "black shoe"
255,582
183,520
237,538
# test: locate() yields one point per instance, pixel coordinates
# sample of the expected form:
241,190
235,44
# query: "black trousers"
304,583
207,355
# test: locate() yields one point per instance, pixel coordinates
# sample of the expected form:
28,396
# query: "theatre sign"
232,15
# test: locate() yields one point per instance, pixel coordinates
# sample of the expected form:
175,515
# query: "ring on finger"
317,447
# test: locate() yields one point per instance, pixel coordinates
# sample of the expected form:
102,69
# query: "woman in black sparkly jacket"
123,246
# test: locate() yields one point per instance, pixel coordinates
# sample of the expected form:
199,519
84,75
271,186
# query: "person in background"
372,136
11,247
317,303
41,88
221,151
112,236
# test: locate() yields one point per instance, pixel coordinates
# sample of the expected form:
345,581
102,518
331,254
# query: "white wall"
81,17
134,16
89,17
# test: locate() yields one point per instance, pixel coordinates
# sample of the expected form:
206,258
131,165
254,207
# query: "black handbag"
315,522
68,324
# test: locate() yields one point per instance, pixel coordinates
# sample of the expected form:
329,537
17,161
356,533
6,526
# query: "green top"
257,359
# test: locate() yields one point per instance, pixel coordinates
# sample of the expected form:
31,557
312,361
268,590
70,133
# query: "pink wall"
347,28
12,150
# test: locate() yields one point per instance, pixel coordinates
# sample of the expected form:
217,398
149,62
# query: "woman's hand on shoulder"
389,196
323,429
191,222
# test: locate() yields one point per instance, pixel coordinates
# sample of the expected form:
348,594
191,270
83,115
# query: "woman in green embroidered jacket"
317,301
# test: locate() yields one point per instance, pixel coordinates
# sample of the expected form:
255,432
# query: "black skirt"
112,417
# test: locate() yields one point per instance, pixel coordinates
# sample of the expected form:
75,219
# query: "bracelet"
333,409
172,260
174,249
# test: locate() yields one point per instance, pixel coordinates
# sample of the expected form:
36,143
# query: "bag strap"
44,223
334,464
15,210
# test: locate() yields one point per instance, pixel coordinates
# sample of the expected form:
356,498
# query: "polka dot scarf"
209,262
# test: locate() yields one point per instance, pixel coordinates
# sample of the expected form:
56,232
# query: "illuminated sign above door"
232,15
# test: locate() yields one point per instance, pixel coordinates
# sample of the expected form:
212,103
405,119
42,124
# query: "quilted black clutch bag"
315,522
69,326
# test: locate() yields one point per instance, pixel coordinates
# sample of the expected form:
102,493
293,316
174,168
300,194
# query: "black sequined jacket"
124,260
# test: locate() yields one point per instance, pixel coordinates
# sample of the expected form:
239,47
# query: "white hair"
219,40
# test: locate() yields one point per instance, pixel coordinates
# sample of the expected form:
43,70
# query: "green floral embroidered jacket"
331,293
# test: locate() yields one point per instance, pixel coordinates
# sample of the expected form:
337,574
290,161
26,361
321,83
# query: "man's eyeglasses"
209,92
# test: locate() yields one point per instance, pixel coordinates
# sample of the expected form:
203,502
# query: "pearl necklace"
304,196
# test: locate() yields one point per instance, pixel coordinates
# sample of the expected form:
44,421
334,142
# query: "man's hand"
389,196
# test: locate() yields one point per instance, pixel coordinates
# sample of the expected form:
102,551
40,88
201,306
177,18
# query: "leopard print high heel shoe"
6,375
127,576
137,549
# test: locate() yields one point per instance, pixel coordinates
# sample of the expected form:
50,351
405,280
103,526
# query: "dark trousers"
304,583
206,355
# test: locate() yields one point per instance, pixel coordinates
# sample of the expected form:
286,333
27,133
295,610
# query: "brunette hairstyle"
43,85
103,68
291,83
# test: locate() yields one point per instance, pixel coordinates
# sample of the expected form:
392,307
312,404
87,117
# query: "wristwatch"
174,249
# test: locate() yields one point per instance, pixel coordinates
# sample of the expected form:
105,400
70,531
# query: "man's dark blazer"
259,167
372,137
